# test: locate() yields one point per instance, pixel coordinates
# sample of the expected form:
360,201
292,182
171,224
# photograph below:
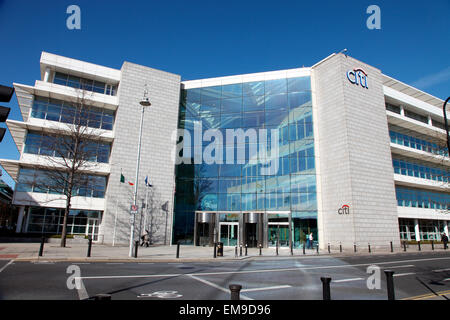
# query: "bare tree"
71,153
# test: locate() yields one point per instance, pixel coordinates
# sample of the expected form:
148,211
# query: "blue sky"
200,39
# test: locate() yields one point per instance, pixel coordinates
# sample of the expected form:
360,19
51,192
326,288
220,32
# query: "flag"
122,180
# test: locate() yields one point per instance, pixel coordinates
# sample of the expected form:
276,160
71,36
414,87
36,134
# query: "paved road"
417,276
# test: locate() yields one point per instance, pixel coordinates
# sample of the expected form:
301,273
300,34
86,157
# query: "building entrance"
229,233
278,232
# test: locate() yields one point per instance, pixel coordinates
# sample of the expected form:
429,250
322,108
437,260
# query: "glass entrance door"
92,228
280,232
229,233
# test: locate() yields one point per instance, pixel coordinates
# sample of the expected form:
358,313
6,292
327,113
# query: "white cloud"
432,79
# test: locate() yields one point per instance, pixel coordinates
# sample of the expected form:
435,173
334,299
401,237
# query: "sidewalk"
188,253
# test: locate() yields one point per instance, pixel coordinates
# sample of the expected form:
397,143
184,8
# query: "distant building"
8,212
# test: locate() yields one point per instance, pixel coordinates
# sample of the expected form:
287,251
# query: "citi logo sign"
344,210
358,77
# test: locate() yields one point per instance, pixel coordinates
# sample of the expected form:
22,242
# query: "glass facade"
34,180
65,112
42,144
50,220
409,197
283,107
85,84
428,229
415,169
416,143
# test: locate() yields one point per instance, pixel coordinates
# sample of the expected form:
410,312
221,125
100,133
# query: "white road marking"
393,267
6,265
266,288
82,292
216,286
142,276
114,263
441,270
404,274
448,279
347,280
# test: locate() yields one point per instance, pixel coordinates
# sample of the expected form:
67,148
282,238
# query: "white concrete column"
47,74
20,219
430,121
402,111
416,229
446,228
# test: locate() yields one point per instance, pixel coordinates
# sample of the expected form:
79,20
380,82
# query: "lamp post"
144,103
446,124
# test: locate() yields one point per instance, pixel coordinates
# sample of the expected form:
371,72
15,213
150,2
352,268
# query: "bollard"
292,249
354,247
432,245
340,247
369,248
235,252
260,249
277,246
418,243
235,290
390,284
178,249
317,248
89,246
245,249
303,248
328,248
392,247
215,250
326,288
240,250
404,246
41,248
136,246
102,297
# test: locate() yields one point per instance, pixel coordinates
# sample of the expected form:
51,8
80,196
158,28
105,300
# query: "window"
85,84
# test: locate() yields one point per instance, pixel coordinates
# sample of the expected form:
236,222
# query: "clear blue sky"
200,39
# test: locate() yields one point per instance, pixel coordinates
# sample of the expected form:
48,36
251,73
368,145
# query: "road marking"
347,280
404,274
441,270
82,292
407,266
142,276
5,266
114,263
448,279
266,288
428,295
216,286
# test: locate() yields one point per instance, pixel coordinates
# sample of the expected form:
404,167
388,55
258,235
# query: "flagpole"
115,222
146,208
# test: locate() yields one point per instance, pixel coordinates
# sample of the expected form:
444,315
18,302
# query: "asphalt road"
417,276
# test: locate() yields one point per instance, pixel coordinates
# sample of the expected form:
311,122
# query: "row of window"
428,229
85,84
419,144
415,116
407,197
41,144
289,183
67,112
248,201
256,88
42,181
420,171
282,101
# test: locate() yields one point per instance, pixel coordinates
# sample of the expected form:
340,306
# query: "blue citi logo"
358,77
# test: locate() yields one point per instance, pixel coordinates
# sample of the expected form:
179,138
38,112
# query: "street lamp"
144,103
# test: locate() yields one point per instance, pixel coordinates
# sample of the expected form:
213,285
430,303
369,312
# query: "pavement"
187,253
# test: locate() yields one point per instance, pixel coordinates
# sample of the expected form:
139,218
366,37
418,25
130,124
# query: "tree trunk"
66,211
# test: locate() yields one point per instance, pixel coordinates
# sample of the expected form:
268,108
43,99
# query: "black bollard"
354,247
260,249
292,249
240,250
340,247
303,248
328,248
418,243
317,248
245,249
89,246
178,249
277,246
392,247
326,288
136,245
235,252
102,297
432,245
390,284
41,248
235,290
404,246
369,248
215,250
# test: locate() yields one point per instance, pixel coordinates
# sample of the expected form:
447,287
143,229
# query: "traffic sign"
134,209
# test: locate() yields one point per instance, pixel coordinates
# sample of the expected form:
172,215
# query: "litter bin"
220,249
